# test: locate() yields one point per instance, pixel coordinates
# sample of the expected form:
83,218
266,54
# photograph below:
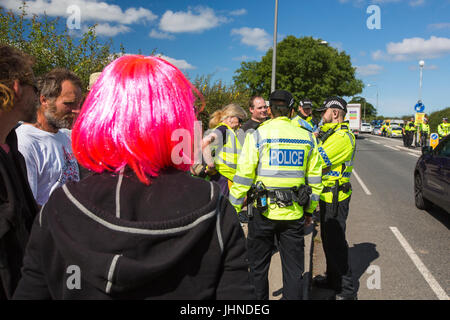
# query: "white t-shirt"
49,158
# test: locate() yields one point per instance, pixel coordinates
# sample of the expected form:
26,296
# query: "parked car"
432,177
376,130
366,128
394,132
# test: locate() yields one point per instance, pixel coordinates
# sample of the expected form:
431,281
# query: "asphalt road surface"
398,252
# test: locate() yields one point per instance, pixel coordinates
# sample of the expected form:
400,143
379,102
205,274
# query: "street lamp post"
421,64
274,55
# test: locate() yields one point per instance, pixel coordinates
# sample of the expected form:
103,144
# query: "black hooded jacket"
108,237
17,211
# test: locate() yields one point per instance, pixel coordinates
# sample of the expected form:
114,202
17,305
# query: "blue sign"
419,107
286,157
434,136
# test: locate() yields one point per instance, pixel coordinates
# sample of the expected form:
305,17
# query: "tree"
39,37
370,110
305,67
217,95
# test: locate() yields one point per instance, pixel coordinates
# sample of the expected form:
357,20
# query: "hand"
211,170
308,221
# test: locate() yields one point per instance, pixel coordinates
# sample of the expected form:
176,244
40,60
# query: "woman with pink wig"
140,227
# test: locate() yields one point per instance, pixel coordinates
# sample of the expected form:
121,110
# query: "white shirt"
49,159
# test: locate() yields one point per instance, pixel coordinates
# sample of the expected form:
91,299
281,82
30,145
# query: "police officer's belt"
345,187
284,197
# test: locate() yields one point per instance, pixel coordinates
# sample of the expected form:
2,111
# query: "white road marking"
391,147
440,293
413,154
373,141
366,190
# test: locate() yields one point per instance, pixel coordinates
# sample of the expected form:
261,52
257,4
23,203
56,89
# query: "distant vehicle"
366,128
376,130
394,132
396,122
432,177
353,116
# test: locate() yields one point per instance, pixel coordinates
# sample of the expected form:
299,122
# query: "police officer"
221,147
280,166
444,128
424,132
410,131
337,149
304,115
404,135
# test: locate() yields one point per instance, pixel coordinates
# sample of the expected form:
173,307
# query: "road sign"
419,107
419,118
434,140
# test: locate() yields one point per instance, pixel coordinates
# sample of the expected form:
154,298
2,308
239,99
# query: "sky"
385,39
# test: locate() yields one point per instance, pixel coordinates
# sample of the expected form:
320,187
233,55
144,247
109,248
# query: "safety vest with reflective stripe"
410,126
443,129
425,128
338,153
226,156
281,155
304,123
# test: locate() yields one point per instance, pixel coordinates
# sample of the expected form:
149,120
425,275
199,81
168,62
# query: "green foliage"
41,38
305,67
217,95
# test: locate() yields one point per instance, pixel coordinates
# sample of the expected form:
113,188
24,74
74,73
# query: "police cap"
334,102
282,95
306,103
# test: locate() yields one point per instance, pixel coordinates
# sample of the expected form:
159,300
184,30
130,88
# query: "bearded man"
46,144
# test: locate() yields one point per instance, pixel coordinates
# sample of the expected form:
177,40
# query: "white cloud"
426,67
361,3
105,29
180,64
369,70
243,58
413,49
90,10
239,12
254,37
198,21
415,3
439,26
160,35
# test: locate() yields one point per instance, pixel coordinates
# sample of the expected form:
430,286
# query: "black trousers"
424,139
335,246
409,138
260,244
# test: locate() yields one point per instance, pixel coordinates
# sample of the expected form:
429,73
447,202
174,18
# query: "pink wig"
130,114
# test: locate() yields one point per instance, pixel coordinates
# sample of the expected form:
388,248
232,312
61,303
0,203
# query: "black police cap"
334,102
306,103
282,95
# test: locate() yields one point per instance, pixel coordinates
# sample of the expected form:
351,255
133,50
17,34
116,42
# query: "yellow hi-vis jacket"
304,123
425,128
281,155
443,129
226,156
337,153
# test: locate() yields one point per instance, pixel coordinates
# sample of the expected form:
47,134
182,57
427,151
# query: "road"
398,252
